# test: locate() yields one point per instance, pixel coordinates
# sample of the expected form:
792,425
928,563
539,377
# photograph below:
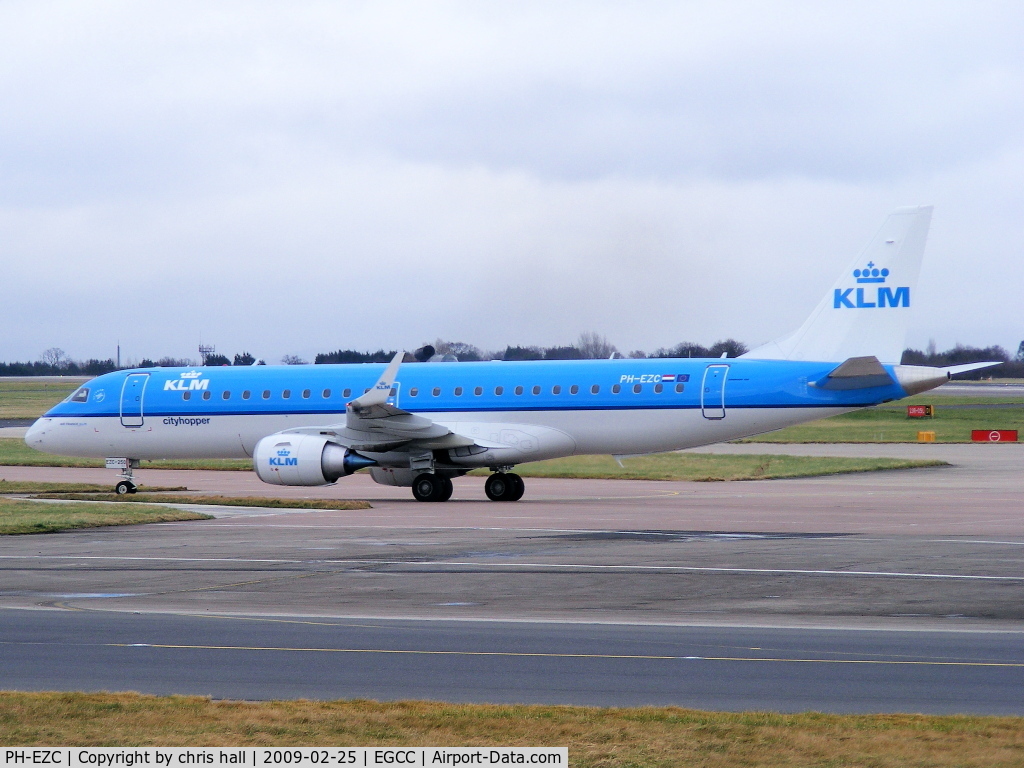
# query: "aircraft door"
712,393
131,399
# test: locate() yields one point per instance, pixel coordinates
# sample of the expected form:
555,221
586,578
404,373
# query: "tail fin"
866,312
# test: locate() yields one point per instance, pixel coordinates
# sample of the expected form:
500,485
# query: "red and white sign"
994,435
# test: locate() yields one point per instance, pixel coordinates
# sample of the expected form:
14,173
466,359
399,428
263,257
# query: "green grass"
224,501
28,399
889,424
14,453
709,467
20,516
641,737
20,486
666,466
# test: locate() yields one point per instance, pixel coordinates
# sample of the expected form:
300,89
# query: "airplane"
419,425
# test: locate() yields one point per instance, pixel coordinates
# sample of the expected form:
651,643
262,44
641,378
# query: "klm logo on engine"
190,380
284,458
868,298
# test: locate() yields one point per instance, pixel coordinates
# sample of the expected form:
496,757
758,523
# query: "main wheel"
505,486
426,486
516,487
446,489
124,487
496,487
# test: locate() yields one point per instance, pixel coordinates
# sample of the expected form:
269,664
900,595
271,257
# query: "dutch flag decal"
668,377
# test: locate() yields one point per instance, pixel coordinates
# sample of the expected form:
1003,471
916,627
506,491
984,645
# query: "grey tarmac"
933,554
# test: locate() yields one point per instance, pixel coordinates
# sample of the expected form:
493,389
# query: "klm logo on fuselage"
190,380
866,298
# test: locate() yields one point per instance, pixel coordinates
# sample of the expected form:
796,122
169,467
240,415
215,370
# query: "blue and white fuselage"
572,407
420,424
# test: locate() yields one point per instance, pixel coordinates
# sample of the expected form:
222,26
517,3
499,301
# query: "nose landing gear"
127,466
504,486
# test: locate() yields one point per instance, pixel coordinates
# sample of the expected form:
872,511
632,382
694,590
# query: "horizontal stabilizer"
857,373
953,370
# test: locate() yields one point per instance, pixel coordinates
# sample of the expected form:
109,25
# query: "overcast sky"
300,177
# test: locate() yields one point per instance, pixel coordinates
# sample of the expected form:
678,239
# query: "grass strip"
222,501
710,467
29,399
26,486
14,453
891,425
662,737
21,516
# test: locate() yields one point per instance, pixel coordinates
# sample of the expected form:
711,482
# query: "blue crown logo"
871,274
284,452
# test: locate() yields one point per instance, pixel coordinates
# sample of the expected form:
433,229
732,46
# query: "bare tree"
55,358
292,360
594,346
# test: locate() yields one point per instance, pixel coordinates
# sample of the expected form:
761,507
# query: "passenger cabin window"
616,389
519,390
245,394
637,388
206,395
413,392
535,390
305,393
366,390
436,392
266,394
556,390
81,396
478,391
574,389
458,391
226,394
657,389
347,393
595,389
679,387
186,395
286,394
326,394
499,390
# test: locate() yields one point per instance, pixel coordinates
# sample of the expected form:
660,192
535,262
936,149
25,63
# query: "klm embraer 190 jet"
420,425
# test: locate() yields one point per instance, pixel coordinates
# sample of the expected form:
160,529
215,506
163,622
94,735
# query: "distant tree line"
589,346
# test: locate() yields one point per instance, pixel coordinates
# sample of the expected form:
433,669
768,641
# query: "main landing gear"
501,486
504,486
428,487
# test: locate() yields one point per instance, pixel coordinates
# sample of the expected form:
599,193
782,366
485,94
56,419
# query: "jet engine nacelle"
298,459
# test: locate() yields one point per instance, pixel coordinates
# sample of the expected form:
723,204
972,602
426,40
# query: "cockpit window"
81,395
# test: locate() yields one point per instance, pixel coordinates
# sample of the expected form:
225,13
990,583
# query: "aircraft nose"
35,436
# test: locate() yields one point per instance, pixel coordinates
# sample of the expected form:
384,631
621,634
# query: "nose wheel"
127,467
504,486
428,487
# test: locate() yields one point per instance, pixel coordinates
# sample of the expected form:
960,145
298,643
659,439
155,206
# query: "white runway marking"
553,566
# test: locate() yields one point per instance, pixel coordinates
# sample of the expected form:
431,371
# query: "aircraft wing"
372,424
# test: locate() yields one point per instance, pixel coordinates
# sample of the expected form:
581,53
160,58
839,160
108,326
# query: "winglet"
380,392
